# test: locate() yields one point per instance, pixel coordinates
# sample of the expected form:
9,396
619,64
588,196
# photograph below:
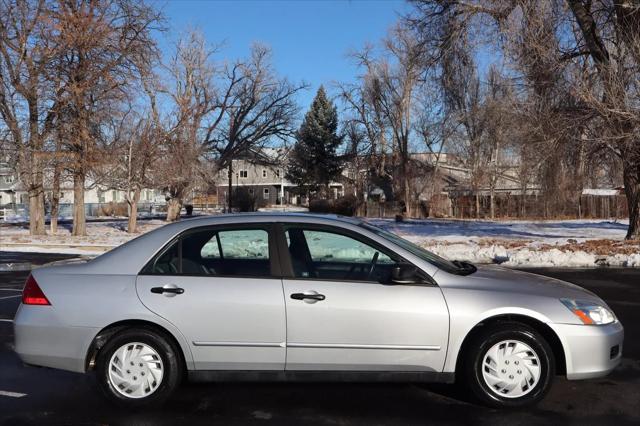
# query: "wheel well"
542,328
106,333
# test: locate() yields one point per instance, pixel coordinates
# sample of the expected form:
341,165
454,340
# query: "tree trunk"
36,211
230,186
407,194
174,205
477,205
493,202
133,211
79,219
55,199
632,190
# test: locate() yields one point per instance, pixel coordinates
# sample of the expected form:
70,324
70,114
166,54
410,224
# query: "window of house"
8,179
228,252
277,173
251,191
264,173
244,174
265,193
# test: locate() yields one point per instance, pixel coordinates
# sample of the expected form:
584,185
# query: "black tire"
171,363
485,340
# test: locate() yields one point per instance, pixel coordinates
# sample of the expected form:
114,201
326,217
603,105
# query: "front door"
341,317
218,287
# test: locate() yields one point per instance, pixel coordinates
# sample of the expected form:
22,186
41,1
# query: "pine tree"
314,161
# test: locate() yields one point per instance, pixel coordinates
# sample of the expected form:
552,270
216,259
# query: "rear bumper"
590,351
42,340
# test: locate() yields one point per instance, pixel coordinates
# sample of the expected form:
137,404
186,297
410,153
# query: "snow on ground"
511,243
285,208
101,237
522,243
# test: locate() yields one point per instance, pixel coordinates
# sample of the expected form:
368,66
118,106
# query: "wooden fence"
506,206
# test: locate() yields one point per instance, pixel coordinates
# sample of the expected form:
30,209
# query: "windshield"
452,267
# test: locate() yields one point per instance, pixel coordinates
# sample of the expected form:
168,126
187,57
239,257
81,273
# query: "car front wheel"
509,365
138,367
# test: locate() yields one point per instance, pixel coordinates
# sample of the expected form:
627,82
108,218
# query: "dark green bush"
345,206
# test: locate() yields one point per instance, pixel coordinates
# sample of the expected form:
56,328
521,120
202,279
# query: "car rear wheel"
509,365
138,367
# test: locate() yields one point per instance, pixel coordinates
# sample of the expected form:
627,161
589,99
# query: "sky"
310,39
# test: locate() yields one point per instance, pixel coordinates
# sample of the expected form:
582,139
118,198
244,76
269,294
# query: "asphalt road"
58,398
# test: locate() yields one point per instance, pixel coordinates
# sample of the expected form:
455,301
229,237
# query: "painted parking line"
5,320
10,289
12,394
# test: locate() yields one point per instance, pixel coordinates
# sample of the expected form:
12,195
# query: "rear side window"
226,252
245,244
168,263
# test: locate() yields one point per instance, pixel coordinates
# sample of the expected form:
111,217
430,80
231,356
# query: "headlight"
589,313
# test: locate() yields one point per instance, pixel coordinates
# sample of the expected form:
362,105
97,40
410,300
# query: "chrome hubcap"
136,370
511,368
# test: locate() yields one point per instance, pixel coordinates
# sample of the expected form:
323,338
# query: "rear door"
221,287
342,316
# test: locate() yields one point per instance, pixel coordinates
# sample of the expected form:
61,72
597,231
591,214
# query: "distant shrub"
113,209
345,206
243,201
320,206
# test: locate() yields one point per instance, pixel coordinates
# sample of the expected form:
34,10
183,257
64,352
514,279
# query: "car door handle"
171,290
309,297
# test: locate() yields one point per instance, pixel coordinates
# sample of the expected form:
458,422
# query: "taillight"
32,293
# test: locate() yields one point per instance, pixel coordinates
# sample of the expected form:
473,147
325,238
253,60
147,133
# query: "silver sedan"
305,297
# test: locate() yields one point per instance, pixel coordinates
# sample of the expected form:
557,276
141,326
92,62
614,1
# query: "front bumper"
590,350
42,339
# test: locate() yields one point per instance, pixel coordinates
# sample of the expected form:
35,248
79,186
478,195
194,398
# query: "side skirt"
320,376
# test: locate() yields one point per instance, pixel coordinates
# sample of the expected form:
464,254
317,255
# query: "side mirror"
404,274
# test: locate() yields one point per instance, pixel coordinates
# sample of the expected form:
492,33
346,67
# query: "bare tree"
366,123
464,103
392,80
134,150
259,108
106,44
498,128
28,93
197,108
580,61
610,39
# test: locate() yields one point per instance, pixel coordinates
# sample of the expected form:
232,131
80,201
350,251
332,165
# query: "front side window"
243,174
452,267
328,255
227,252
265,193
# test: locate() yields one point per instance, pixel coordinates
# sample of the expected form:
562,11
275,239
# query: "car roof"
270,217
134,254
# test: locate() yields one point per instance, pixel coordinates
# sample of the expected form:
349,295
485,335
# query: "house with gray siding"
265,181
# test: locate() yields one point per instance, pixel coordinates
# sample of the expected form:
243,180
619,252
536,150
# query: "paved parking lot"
41,396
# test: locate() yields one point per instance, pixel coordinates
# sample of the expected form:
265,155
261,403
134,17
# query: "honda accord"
307,297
